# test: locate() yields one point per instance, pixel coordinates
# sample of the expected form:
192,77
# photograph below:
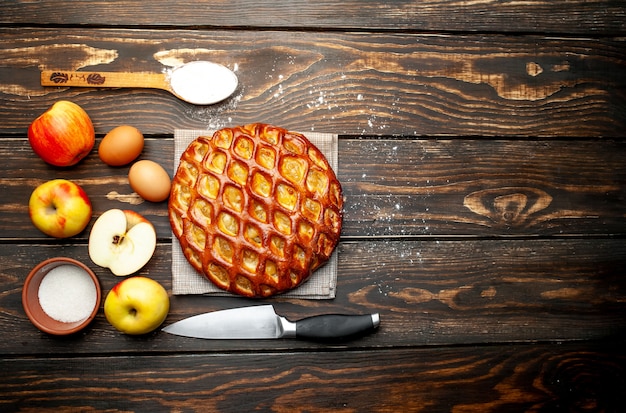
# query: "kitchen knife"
262,322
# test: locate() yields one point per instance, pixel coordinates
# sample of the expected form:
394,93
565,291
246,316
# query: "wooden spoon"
198,82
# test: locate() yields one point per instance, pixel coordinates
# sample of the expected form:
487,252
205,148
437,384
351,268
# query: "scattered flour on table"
213,115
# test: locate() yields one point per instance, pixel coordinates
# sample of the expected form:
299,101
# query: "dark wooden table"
482,158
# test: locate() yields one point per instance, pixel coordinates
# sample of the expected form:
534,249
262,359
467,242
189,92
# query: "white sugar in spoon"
198,82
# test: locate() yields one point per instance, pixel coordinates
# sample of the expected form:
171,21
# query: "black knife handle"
335,327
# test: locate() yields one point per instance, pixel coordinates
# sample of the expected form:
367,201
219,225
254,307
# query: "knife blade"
262,322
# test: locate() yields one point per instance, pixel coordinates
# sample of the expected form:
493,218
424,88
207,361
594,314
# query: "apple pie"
256,208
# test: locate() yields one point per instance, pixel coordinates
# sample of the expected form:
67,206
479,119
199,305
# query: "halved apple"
122,240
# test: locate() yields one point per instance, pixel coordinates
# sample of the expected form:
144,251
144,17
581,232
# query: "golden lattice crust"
256,208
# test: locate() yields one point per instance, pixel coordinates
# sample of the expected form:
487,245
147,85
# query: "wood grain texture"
348,83
536,378
483,162
427,188
603,17
435,293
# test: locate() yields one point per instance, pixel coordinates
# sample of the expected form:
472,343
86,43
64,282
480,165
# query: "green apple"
137,305
59,208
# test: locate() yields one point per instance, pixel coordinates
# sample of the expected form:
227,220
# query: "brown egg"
149,180
121,146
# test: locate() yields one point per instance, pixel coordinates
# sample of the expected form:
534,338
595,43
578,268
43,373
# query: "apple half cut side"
122,241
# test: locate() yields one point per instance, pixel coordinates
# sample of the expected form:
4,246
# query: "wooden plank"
424,188
427,293
562,17
355,84
464,187
546,377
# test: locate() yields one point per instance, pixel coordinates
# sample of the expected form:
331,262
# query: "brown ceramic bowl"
32,306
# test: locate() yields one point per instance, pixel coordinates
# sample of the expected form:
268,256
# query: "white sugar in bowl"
61,296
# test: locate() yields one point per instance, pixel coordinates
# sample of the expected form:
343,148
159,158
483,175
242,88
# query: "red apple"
62,135
59,208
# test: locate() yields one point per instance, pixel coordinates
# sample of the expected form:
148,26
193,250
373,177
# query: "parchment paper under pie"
186,280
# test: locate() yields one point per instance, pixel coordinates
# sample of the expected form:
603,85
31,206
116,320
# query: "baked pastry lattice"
256,208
